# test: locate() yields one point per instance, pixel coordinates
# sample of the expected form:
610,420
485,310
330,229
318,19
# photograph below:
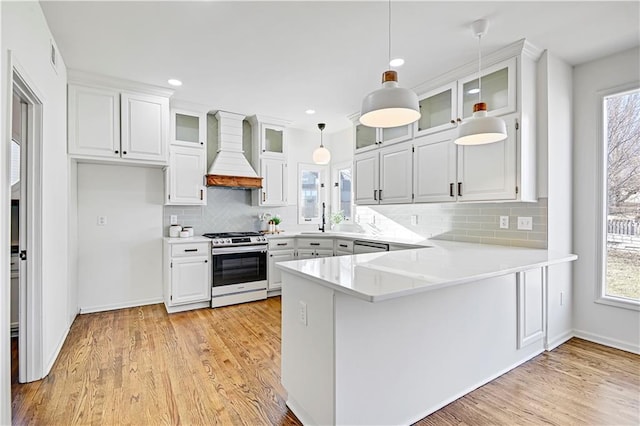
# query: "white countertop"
376,277
349,236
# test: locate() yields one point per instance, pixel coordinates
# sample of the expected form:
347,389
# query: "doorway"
26,242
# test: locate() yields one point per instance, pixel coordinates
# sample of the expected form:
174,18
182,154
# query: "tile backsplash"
227,210
476,223
232,210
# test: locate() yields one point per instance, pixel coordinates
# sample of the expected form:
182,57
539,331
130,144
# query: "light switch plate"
173,219
504,222
414,219
102,220
302,313
525,223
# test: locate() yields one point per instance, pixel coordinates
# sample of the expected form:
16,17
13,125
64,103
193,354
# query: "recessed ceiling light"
473,91
174,82
310,111
397,62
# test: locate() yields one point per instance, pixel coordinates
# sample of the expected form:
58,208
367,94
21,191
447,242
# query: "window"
15,162
342,195
620,224
311,193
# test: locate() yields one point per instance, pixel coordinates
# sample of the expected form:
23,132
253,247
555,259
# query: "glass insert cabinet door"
498,90
188,128
272,140
437,109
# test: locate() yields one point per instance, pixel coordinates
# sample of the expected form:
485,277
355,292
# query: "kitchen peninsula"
388,338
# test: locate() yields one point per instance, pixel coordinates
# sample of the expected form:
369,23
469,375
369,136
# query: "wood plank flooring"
141,366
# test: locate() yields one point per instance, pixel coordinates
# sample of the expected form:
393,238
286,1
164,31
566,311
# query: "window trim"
335,194
601,207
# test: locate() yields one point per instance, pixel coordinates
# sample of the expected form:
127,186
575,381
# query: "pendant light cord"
479,68
389,56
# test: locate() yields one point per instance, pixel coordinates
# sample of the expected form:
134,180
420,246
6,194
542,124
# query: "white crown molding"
83,77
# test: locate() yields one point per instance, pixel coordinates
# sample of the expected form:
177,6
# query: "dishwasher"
369,247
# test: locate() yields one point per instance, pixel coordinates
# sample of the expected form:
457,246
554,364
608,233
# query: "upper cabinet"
188,128
440,171
446,106
117,124
368,138
269,157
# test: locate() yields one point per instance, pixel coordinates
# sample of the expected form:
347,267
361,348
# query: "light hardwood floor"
141,366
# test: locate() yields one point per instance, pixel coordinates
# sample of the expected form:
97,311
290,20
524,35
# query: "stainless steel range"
239,267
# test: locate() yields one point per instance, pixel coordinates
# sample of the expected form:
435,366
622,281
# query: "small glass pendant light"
481,129
321,155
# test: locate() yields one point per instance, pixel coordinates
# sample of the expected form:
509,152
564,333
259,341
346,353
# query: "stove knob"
228,241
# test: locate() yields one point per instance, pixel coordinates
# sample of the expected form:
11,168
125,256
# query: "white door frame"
30,364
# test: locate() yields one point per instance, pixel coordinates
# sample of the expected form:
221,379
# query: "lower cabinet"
187,276
275,277
314,253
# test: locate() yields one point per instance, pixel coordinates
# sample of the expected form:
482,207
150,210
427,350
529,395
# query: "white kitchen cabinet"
187,275
94,121
269,145
314,247
343,247
274,275
488,172
383,176
434,168
184,178
188,128
438,110
111,124
531,306
498,90
366,169
395,175
314,253
369,138
274,182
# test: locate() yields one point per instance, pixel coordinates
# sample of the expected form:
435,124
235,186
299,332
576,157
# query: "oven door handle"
241,249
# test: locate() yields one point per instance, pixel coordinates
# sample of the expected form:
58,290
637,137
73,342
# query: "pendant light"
321,155
481,129
391,106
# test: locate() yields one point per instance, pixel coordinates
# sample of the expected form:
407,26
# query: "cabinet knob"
453,121
206,261
201,143
117,152
459,120
124,152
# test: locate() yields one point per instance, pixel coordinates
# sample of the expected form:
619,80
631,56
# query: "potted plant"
336,218
276,221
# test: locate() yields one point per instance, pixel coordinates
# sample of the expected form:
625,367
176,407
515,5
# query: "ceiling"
282,58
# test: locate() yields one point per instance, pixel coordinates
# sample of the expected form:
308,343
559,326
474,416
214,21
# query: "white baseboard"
558,340
606,341
124,305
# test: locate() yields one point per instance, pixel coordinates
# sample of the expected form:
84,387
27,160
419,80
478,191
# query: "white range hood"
230,167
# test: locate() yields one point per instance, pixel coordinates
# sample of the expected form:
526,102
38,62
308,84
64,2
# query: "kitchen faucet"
321,228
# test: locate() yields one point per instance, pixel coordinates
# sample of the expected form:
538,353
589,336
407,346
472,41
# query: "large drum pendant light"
321,155
481,129
391,106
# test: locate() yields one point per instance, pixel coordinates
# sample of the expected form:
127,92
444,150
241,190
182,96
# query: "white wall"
601,323
120,263
5,235
555,141
341,145
26,34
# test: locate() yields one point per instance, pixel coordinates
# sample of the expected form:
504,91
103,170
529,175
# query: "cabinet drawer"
344,246
281,244
190,249
315,243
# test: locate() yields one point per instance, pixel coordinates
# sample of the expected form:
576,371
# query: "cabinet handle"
451,189
201,194
117,152
459,189
124,152
190,250
264,195
380,194
282,244
343,245
314,244
375,195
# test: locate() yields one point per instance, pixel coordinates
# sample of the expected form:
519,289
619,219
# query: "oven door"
236,265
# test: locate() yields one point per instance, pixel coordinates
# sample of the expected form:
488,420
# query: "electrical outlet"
525,223
504,222
414,219
102,220
302,313
173,219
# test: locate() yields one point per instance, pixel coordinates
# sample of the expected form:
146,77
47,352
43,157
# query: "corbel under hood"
230,168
